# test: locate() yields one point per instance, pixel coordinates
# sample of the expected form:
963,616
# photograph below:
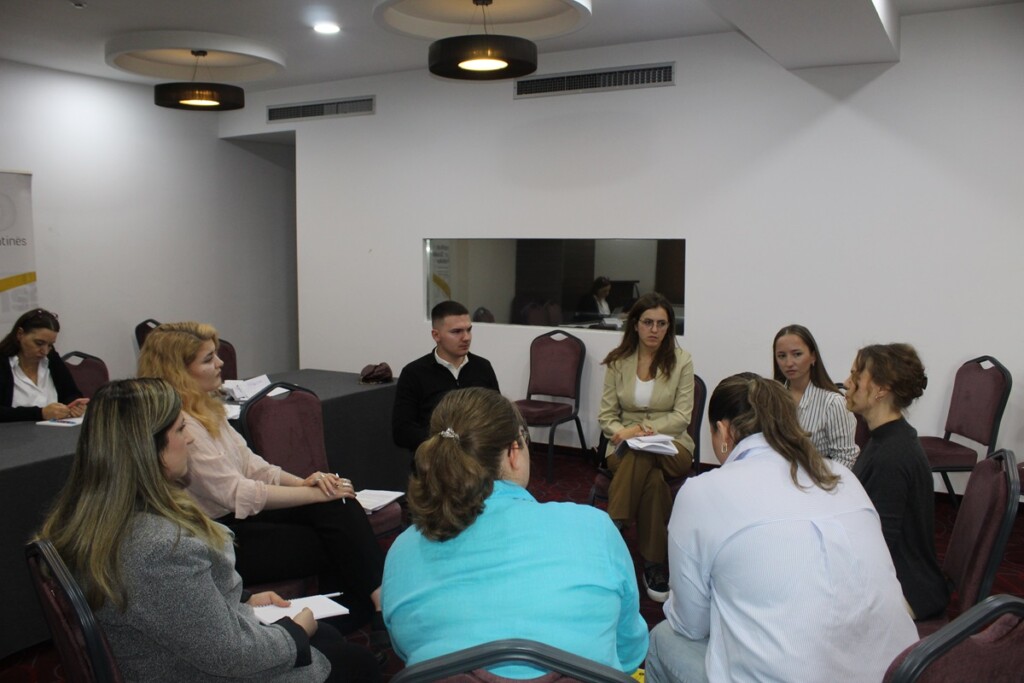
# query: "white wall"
872,203
142,212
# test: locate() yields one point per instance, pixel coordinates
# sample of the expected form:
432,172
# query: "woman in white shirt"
821,409
779,568
34,382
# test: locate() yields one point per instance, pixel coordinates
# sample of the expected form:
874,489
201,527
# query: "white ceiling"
55,34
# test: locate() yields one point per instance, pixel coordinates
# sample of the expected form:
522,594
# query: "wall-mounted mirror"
554,282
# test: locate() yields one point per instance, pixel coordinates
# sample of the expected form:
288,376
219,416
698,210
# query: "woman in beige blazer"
648,389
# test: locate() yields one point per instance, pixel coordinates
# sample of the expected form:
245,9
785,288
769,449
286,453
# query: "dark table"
35,461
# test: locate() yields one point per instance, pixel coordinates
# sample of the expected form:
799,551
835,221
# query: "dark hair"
36,319
753,404
665,357
456,467
897,367
819,376
446,309
600,282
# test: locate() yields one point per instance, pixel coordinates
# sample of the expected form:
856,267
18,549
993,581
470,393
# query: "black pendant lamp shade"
446,55
197,96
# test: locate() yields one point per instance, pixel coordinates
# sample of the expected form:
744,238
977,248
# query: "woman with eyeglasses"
648,389
286,526
485,561
159,573
35,384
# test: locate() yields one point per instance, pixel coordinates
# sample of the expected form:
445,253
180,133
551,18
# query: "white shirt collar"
452,368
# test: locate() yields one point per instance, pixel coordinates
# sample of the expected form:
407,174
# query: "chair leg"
949,489
583,441
551,454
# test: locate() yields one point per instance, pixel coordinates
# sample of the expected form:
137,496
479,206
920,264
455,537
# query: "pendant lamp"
482,57
199,96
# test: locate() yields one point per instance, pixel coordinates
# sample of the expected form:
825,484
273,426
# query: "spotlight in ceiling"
326,27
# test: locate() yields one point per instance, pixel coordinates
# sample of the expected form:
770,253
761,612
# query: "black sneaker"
656,582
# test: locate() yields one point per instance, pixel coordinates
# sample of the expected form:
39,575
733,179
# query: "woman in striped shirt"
820,407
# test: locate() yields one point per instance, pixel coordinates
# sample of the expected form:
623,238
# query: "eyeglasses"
651,324
524,434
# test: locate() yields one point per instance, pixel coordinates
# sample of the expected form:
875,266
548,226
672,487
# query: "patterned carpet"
572,480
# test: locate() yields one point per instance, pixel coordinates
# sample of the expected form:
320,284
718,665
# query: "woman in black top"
894,470
34,382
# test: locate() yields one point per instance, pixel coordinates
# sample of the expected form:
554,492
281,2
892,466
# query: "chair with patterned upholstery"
468,666
603,478
81,645
980,533
556,370
980,391
89,372
985,643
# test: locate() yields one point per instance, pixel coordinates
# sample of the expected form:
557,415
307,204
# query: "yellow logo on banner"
16,281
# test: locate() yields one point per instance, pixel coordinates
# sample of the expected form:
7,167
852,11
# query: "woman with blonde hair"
779,568
883,382
158,572
648,389
270,511
486,561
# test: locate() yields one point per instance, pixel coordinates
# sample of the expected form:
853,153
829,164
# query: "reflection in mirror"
554,282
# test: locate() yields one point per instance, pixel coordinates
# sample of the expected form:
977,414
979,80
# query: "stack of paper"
655,443
321,606
373,500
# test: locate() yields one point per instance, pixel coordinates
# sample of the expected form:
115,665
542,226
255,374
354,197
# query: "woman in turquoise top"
486,561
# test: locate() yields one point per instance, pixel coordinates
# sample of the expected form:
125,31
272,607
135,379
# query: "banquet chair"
89,372
81,645
603,478
985,643
980,533
975,412
468,666
288,430
143,329
556,370
226,351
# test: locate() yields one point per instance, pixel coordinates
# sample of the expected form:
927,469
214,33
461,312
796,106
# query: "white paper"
321,606
655,443
243,390
373,500
63,422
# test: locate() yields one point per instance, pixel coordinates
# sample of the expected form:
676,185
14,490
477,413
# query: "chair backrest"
81,644
954,653
230,358
700,397
287,429
982,527
143,329
553,311
978,401
89,372
571,667
556,365
483,315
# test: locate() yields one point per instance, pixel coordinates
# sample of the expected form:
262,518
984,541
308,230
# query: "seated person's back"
486,561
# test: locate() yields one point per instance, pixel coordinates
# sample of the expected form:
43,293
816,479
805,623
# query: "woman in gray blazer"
648,389
158,573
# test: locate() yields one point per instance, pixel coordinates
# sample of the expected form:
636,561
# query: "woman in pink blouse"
285,526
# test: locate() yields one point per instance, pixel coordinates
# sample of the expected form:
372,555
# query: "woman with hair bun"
779,571
486,561
821,408
894,470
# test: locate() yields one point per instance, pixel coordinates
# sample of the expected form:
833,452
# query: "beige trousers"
639,491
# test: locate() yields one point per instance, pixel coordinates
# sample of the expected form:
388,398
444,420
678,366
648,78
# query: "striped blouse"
823,413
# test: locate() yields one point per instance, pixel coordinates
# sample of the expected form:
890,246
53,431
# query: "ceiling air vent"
645,76
353,106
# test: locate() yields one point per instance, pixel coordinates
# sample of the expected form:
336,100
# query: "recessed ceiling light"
326,27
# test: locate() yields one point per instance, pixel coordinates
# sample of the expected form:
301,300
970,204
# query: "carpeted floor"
572,481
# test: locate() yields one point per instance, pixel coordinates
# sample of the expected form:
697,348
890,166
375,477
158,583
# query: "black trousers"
332,540
350,663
